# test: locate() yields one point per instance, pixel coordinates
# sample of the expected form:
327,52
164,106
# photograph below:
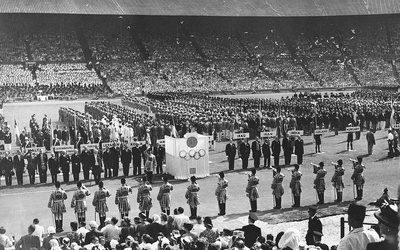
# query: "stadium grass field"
19,205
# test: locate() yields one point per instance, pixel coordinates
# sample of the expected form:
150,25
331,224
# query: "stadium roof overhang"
260,8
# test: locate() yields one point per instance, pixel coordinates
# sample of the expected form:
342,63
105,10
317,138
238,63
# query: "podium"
186,157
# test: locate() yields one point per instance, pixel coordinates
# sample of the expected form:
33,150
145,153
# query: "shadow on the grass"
289,214
342,152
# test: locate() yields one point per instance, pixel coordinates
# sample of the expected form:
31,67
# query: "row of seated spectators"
54,39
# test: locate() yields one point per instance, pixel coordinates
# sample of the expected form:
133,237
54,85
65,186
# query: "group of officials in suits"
289,145
88,161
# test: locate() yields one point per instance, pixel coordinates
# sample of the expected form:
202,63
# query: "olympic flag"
187,156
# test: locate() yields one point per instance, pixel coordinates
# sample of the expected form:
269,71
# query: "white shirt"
82,231
39,230
180,219
358,239
390,136
198,228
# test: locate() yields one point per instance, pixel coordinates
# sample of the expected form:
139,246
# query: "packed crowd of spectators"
67,73
51,44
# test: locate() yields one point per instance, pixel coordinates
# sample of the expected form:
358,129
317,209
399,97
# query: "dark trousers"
76,176
150,176
245,162
193,212
125,168
96,175
278,202
20,179
137,169
253,205
222,208
86,174
288,157
231,160
42,176
159,167
8,179
31,176
256,162
115,172
300,159
296,201
53,177
276,160
66,177
107,172
321,198
267,158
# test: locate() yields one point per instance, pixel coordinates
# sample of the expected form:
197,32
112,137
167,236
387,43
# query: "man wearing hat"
317,239
370,140
388,222
251,231
314,224
358,238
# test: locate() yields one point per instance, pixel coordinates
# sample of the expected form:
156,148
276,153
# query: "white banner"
241,136
295,132
62,148
268,134
321,131
110,144
352,129
90,146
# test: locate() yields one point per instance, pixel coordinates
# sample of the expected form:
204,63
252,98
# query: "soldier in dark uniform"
76,165
276,150
126,158
230,151
317,139
358,177
350,139
7,163
287,149
245,153
57,206
159,152
54,166
114,152
107,162
256,149
136,159
19,166
266,153
64,165
85,155
41,161
31,166
314,224
299,149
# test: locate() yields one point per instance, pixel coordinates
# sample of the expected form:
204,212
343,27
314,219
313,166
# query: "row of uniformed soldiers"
319,183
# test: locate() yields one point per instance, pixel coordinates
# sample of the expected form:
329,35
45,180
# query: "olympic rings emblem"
192,154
